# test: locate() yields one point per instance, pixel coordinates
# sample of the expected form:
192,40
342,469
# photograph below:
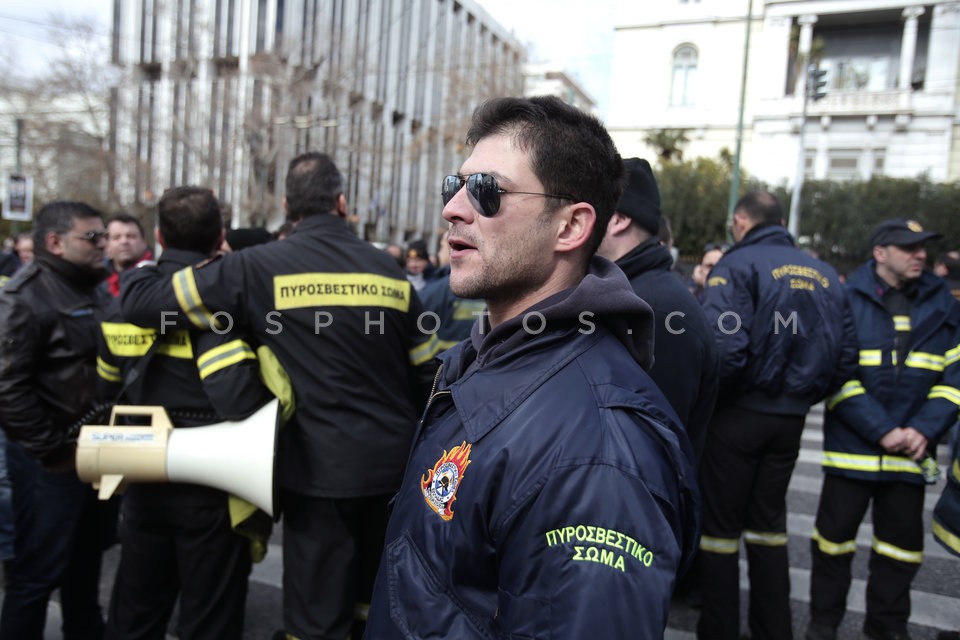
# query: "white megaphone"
236,457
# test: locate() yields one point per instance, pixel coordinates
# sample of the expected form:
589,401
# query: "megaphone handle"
158,415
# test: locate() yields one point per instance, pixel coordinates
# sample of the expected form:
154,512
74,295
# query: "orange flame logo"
440,484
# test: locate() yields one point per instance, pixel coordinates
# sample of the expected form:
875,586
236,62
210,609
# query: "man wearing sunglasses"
49,315
550,489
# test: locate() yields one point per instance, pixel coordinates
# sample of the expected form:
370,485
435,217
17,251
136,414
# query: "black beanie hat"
641,197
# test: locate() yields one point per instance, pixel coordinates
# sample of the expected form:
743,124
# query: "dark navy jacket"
550,491
782,324
922,392
946,515
685,362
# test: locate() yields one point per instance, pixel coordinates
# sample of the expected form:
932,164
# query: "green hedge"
836,217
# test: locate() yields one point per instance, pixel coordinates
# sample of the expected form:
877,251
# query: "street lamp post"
813,90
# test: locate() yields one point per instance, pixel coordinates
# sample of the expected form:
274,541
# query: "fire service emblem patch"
440,484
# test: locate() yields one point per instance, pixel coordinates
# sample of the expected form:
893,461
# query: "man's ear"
159,237
341,206
618,224
53,243
576,226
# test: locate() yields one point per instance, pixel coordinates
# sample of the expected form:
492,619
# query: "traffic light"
815,83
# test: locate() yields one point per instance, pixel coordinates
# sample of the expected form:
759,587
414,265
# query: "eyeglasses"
93,237
484,192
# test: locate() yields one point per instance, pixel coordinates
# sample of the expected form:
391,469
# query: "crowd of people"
540,431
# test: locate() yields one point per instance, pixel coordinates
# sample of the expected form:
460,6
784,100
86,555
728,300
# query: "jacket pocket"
421,606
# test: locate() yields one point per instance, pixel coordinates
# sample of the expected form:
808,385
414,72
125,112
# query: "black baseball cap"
900,232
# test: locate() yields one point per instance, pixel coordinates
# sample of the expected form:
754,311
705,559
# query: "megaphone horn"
237,457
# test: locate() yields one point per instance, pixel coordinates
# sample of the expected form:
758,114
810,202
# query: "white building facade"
223,93
891,105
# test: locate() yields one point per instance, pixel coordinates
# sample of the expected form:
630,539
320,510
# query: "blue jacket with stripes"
946,515
922,392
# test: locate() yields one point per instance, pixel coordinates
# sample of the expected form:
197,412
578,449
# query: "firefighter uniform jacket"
191,371
341,318
946,515
782,323
550,491
922,392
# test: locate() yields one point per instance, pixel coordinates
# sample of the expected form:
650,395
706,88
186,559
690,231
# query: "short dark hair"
58,217
571,152
762,207
126,218
313,185
189,219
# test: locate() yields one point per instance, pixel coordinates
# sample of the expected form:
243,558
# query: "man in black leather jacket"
49,316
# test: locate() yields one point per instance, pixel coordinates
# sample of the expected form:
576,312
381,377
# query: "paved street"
936,594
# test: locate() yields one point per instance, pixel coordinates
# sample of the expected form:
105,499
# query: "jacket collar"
320,221
649,255
181,257
865,281
490,374
772,234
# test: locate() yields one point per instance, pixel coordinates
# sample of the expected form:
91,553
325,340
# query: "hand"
915,443
893,441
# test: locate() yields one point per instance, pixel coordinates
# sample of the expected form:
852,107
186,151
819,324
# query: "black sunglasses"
483,191
93,237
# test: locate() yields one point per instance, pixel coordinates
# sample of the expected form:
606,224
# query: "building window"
879,161
843,164
684,76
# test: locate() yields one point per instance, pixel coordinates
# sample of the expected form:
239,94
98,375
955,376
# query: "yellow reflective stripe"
952,356
891,551
869,463
955,470
299,290
719,545
947,393
765,538
223,356
901,323
852,461
446,344
899,464
871,357
426,351
850,389
948,538
833,548
468,309
893,357
920,360
188,297
107,371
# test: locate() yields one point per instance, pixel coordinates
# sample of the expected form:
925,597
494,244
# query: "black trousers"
894,559
744,476
170,549
331,551
61,531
